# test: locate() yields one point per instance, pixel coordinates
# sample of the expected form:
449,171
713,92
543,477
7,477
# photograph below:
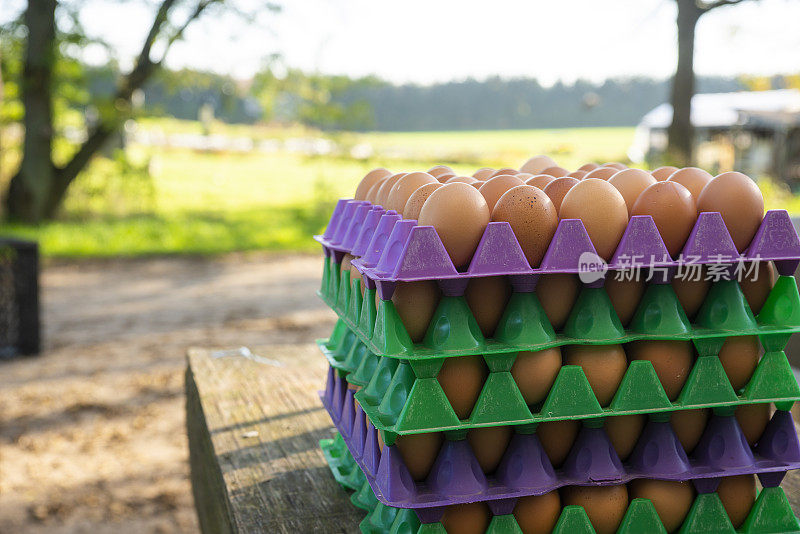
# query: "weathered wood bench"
253,447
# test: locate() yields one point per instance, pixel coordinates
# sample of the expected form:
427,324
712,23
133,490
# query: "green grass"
189,202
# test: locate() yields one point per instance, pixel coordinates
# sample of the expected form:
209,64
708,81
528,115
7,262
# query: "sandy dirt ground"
92,435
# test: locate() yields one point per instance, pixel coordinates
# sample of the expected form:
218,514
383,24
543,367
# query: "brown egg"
483,173
346,263
382,196
588,167
753,419
737,493
540,180
524,176
472,518
557,438
535,372
417,200
415,303
672,499
691,293
604,366
459,214
601,173
615,165
558,189
495,187
489,444
689,426
487,297
372,194
461,378
374,176
556,171
624,432
537,164
443,178
538,514
505,171
757,284
605,505
630,183
671,359
603,211
381,442
739,358
419,451
557,293
532,217
739,200
691,178
673,210
580,175
462,179
356,275
625,296
662,173
404,187
439,170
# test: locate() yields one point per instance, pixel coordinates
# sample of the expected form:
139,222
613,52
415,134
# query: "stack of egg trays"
403,396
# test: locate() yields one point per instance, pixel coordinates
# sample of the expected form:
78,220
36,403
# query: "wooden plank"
254,434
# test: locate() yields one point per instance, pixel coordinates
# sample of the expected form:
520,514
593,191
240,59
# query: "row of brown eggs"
534,198
606,505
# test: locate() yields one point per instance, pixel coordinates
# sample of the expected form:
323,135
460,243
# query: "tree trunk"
29,188
681,132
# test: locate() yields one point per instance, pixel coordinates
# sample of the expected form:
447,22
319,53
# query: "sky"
429,41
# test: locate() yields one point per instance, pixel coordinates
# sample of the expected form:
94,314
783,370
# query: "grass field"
163,200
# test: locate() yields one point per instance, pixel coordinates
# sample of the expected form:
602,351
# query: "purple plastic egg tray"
392,249
456,477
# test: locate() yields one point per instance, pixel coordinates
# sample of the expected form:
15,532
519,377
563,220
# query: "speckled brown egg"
624,432
557,293
356,275
472,518
417,200
737,493
372,177
463,180
419,452
540,180
625,296
532,217
672,499
537,164
672,360
689,426
505,171
673,210
558,189
382,195
415,303
487,297
630,183
489,444
459,214
602,210
580,175
605,505
438,170
344,267
615,165
538,514
535,372
445,177
495,187
588,167
461,378
663,173
739,358
404,187
691,178
753,419
691,292
601,173
756,282
737,198
483,173
557,438
603,365
556,171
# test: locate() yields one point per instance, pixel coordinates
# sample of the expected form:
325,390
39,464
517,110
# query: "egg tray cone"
770,513
393,249
405,397
456,476
453,330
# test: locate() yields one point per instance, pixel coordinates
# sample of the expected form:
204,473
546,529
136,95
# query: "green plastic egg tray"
453,330
771,512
